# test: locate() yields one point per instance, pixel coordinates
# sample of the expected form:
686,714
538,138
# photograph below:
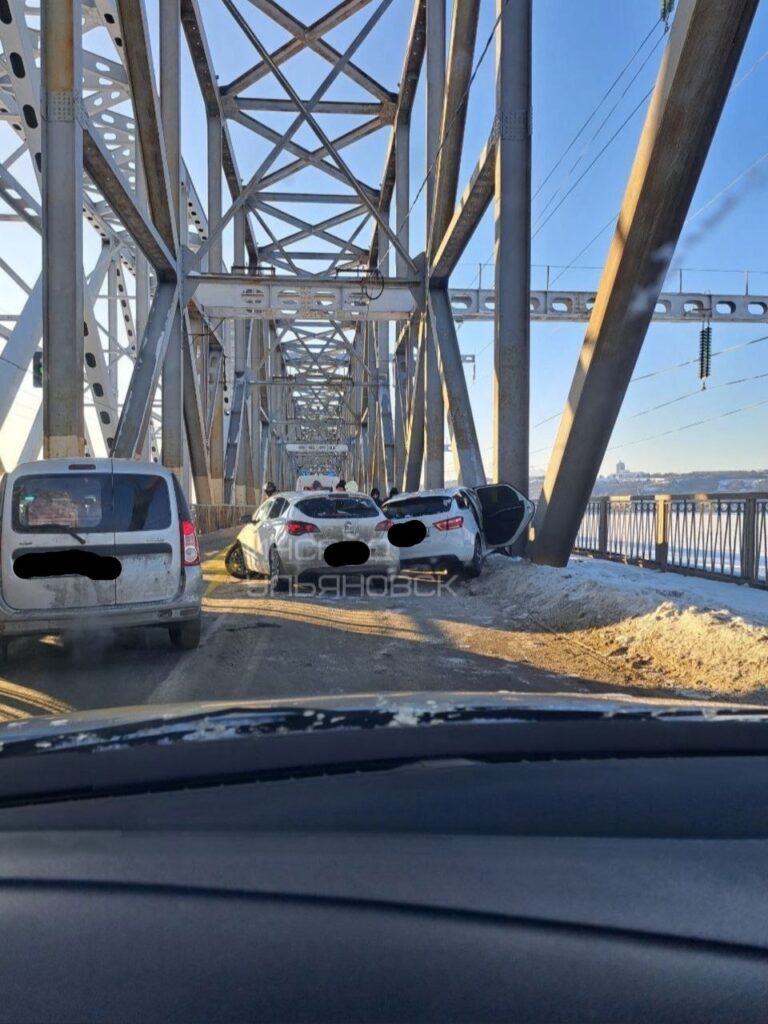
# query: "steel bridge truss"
320,326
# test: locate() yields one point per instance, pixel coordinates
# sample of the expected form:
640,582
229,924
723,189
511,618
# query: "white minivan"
89,543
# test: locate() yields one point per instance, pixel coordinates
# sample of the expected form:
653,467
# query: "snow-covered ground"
697,636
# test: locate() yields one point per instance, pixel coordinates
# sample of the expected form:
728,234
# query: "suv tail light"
384,524
296,529
190,549
455,523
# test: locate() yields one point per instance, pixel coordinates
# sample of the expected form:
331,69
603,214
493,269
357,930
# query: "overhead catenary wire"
595,110
602,100
543,223
603,123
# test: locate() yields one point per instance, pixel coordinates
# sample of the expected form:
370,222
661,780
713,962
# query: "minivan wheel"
234,562
186,635
475,567
278,582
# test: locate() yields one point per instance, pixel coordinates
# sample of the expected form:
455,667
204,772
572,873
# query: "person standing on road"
270,489
393,492
341,485
376,495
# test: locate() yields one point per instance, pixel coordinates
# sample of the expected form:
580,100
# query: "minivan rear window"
91,503
338,508
421,506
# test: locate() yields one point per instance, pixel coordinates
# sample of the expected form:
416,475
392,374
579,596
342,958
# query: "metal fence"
209,518
720,536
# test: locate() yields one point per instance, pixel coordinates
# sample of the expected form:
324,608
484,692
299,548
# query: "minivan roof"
100,465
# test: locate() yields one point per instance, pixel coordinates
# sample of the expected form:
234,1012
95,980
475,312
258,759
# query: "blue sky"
579,49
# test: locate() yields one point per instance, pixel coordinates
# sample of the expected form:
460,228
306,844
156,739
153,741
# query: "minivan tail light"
296,528
454,523
384,524
190,549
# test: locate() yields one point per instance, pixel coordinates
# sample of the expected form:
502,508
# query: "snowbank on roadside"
691,633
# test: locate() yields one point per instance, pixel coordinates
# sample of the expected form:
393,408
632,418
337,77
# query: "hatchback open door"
506,513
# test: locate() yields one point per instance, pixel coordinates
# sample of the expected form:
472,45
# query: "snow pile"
687,632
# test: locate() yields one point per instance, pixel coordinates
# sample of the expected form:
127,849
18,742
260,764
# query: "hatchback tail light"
190,549
296,528
384,524
454,523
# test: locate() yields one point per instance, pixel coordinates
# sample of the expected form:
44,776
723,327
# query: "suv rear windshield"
422,506
338,508
91,503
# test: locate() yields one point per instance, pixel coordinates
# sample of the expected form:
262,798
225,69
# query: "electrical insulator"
705,353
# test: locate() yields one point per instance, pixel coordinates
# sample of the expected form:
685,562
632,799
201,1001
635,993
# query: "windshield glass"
383,424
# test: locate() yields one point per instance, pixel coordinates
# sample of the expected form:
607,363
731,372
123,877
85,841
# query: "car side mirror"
245,519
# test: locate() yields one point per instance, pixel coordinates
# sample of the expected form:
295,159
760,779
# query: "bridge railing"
210,518
719,536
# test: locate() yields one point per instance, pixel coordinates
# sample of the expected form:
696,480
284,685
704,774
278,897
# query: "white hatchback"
459,525
303,534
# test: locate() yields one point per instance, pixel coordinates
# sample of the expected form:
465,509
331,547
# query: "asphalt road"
429,634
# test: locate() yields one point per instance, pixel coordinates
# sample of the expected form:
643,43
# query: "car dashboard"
593,889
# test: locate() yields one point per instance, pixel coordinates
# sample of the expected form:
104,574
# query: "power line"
589,167
605,120
605,96
690,426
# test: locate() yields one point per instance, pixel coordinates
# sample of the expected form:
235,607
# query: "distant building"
621,469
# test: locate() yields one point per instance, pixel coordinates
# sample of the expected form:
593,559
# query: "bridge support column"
434,411
170,113
62,187
511,351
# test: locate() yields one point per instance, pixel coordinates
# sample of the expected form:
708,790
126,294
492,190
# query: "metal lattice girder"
138,63
703,51
114,186
194,419
62,201
454,115
137,409
452,241
311,37
455,391
321,299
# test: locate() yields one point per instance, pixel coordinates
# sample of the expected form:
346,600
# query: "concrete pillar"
62,207
511,358
170,113
434,414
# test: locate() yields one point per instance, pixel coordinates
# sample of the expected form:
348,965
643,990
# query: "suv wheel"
186,635
475,567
